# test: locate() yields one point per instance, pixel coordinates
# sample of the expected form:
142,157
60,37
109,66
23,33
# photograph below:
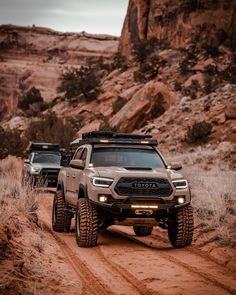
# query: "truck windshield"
54,158
126,157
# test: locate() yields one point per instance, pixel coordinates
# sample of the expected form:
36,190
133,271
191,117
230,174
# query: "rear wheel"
142,231
86,224
61,219
180,227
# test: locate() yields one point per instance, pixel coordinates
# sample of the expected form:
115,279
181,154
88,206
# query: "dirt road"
125,264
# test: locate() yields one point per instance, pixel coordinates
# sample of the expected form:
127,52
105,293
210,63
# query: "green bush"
178,86
208,85
119,62
198,133
31,97
83,83
143,49
50,128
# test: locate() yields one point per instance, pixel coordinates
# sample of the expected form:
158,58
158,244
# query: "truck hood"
114,172
46,166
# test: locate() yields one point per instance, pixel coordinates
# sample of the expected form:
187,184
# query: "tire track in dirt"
213,277
126,275
91,284
81,262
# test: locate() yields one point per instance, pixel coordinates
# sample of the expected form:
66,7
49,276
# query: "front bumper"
124,209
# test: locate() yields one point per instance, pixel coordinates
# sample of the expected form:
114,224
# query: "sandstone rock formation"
154,97
33,56
178,23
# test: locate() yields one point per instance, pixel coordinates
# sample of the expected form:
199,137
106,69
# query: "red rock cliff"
177,23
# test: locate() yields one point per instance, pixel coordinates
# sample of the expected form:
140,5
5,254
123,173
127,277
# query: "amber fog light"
102,198
180,200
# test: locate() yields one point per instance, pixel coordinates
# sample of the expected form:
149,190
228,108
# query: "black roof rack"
109,137
110,134
42,146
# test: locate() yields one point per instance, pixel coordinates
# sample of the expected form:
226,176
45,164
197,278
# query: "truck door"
70,177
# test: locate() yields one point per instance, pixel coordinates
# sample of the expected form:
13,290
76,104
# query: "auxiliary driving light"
102,198
180,200
144,206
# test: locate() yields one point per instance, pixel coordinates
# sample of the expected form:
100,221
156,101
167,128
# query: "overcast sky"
92,16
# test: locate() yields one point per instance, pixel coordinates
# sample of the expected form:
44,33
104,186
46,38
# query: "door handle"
73,176
67,175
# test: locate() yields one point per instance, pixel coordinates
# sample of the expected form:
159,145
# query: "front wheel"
61,219
180,227
142,231
86,224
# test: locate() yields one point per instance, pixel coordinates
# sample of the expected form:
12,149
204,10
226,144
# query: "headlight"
35,169
180,183
102,181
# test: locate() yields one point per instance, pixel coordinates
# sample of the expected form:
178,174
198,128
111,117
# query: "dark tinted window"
126,157
54,158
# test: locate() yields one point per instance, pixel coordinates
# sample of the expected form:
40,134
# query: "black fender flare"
83,188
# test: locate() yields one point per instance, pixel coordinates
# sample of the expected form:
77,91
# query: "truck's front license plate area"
143,212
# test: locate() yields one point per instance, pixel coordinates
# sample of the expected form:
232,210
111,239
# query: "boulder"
230,111
144,105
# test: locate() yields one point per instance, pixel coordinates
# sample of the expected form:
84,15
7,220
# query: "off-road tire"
61,219
142,231
180,227
86,224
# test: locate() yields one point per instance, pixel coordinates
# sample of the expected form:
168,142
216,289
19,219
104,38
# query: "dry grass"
213,197
14,196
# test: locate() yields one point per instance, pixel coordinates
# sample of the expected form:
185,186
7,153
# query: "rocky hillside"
33,56
174,75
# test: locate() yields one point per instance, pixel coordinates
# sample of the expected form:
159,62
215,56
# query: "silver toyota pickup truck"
116,178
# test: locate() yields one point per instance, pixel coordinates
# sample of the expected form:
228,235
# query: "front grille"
132,186
49,173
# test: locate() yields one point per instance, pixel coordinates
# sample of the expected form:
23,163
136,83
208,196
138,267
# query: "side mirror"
175,166
27,161
77,164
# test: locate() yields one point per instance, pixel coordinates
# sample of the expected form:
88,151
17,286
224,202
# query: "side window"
78,154
84,155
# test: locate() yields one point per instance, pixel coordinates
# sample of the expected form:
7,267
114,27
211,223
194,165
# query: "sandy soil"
125,264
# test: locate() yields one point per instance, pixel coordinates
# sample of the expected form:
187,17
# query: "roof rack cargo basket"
109,137
41,146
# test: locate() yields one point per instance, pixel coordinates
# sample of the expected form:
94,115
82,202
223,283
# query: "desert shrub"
13,188
184,67
199,132
81,83
210,49
210,70
50,128
143,49
208,84
11,143
178,86
31,97
118,104
192,89
229,74
119,62
149,70
214,205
